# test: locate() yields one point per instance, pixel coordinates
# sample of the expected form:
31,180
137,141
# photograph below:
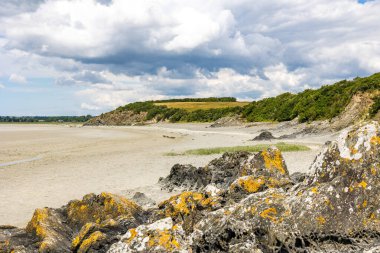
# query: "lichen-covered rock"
336,209
102,207
188,208
53,233
160,236
88,225
185,176
223,171
16,240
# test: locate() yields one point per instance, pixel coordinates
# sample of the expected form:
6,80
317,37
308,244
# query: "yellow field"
192,106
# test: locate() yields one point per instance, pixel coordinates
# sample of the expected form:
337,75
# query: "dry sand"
48,165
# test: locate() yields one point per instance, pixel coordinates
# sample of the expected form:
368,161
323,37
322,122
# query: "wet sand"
48,165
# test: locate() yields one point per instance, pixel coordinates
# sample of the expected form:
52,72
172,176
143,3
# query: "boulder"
336,208
160,236
263,136
102,207
49,226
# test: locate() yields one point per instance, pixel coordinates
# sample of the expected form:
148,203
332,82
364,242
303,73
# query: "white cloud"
134,50
2,86
91,107
15,78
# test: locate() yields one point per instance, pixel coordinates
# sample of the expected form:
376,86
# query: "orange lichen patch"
94,238
47,225
250,184
98,208
274,161
362,184
375,140
37,224
354,151
87,229
186,203
132,235
321,220
269,214
163,239
314,190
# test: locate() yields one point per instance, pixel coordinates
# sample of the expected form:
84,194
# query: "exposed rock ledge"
240,202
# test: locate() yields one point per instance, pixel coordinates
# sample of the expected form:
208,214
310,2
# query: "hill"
341,103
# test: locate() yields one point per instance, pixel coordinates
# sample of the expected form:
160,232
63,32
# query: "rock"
228,122
49,226
160,236
266,168
188,208
16,240
141,199
266,135
336,208
184,176
298,177
102,207
88,225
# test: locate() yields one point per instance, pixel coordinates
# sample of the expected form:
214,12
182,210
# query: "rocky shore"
240,202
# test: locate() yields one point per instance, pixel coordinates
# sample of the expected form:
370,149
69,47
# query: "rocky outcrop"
88,225
263,136
228,121
334,210
240,202
118,118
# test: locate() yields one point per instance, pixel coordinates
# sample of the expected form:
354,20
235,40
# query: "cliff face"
118,118
240,202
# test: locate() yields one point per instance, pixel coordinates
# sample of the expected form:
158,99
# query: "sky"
77,57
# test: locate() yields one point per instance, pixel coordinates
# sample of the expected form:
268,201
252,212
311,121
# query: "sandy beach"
48,165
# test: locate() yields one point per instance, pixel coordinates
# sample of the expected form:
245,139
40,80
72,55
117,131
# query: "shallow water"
20,161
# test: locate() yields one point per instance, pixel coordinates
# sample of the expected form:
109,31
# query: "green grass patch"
284,147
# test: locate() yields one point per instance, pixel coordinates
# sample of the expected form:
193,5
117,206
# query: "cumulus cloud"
122,50
15,78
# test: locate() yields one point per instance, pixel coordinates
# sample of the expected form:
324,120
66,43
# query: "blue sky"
90,56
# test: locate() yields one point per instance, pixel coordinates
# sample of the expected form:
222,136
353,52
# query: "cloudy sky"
74,57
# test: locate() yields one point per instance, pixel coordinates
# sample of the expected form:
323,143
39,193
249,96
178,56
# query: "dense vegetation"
375,107
34,119
324,103
177,114
211,99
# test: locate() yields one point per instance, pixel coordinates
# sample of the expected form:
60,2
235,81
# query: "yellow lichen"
362,184
314,190
95,237
105,207
36,225
85,230
163,239
269,214
251,184
373,170
132,234
375,140
185,203
321,220
273,162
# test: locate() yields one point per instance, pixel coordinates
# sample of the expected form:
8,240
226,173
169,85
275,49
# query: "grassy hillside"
324,103
177,113
193,106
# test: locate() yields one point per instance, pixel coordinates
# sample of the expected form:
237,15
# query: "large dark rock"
264,136
336,209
